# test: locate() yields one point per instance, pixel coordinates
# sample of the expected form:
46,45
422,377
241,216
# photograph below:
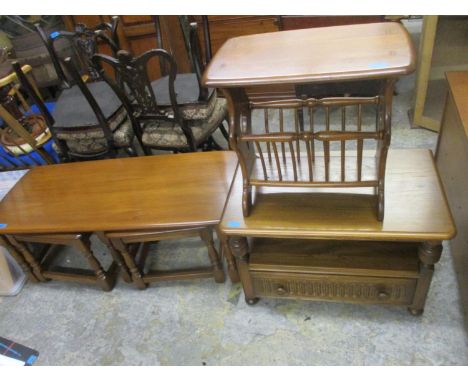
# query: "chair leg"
206,235
137,277
84,246
210,144
224,131
215,145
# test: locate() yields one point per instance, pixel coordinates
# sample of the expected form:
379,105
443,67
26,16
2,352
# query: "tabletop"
351,52
150,192
416,208
458,84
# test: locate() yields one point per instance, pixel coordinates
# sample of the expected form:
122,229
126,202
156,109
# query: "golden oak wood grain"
378,50
451,157
140,193
416,208
458,83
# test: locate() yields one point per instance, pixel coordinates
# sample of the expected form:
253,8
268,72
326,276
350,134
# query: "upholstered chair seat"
78,126
169,134
92,141
188,93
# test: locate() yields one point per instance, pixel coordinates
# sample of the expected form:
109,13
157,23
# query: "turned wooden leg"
231,263
429,253
246,200
137,277
206,235
381,201
83,244
116,256
28,256
19,259
240,250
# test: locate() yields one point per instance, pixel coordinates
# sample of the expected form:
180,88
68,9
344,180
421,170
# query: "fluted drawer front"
338,288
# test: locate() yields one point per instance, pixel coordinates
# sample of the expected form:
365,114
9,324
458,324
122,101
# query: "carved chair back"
198,60
83,43
102,122
134,89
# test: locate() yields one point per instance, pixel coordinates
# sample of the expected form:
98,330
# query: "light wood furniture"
16,139
321,245
122,242
451,157
443,47
339,62
162,193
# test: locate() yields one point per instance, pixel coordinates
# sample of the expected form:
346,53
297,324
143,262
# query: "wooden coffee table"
323,245
66,203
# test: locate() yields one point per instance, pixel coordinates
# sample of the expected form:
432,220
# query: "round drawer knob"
281,290
383,295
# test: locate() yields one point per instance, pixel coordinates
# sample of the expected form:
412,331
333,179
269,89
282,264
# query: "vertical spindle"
267,131
281,120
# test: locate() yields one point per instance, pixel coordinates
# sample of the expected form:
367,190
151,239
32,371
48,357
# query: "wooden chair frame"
20,75
133,76
84,42
199,62
110,150
249,151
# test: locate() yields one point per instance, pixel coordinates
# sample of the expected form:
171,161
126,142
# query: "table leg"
231,263
240,122
84,245
27,255
137,277
116,256
385,144
19,259
240,249
429,254
207,236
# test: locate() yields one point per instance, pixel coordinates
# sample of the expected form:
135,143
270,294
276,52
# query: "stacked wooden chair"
170,125
89,120
25,139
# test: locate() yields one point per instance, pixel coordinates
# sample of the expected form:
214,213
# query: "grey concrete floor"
200,322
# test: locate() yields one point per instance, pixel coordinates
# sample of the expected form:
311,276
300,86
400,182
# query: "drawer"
358,289
335,257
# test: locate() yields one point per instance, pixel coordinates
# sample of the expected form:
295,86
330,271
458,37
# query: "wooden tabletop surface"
336,53
120,194
458,84
415,207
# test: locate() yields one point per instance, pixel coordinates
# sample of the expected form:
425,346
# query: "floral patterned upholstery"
92,140
187,93
170,134
199,111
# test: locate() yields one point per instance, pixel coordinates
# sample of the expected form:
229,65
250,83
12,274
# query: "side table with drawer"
323,245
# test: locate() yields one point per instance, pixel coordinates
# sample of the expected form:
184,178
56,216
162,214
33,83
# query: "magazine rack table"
339,72
308,244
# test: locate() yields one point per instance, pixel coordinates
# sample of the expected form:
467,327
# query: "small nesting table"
306,244
125,200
